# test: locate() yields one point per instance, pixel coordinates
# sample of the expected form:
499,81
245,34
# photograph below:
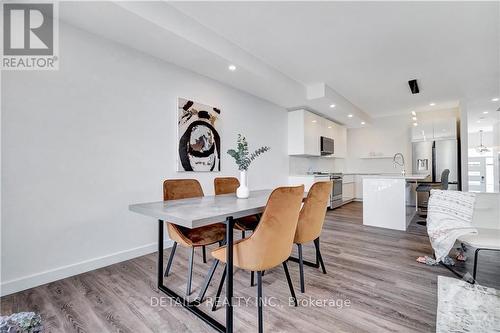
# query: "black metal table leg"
160,254
229,276
190,306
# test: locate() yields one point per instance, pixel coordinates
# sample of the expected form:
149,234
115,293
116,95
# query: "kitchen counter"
398,176
389,201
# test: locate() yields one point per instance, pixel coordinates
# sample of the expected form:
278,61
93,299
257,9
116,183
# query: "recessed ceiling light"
415,124
314,121
432,104
414,118
478,121
496,99
332,105
362,123
485,112
329,126
413,113
232,68
349,115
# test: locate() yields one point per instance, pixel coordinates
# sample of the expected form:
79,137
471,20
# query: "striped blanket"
449,216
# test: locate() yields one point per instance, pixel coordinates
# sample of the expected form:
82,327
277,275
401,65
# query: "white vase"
243,192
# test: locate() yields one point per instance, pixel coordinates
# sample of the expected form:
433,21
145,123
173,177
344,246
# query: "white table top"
198,212
399,176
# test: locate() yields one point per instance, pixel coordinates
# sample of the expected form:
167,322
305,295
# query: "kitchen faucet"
400,163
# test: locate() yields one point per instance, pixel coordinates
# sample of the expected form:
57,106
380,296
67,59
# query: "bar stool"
426,188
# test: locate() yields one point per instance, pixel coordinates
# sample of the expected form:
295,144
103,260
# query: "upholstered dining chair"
227,185
174,189
310,224
269,245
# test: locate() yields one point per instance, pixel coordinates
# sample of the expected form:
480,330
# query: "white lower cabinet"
348,191
358,188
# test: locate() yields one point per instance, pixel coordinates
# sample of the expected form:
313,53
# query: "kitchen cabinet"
348,192
445,129
437,129
422,132
348,188
305,129
358,187
340,137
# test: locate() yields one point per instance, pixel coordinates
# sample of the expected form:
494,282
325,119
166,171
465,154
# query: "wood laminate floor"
373,284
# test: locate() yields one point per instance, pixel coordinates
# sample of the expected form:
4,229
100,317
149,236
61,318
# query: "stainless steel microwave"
326,146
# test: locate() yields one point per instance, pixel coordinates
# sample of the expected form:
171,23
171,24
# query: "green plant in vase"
243,159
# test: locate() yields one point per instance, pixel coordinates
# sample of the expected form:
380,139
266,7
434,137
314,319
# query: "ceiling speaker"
413,86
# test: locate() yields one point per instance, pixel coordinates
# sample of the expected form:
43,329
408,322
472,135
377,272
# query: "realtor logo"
29,36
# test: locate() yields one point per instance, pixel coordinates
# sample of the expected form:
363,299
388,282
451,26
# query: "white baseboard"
30,281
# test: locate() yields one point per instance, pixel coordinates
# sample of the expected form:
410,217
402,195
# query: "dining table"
198,212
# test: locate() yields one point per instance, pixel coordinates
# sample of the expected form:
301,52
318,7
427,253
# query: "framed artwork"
198,136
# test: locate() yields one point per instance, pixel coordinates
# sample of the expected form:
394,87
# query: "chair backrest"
225,185
312,214
487,211
444,179
174,189
271,242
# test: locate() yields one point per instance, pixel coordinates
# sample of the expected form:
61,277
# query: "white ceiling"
362,53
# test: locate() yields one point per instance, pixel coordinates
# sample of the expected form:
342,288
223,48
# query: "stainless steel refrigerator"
432,157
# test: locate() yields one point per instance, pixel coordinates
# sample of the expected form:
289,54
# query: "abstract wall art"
198,136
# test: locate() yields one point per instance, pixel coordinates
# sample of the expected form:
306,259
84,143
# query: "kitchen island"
389,201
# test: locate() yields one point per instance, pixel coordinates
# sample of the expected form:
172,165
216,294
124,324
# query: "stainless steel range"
336,195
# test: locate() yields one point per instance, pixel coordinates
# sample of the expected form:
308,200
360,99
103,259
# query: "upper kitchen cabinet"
340,137
445,129
439,129
305,129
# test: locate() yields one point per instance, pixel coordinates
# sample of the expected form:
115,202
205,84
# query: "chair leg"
318,255
259,301
242,234
290,285
208,278
204,254
190,272
301,268
170,259
252,278
219,290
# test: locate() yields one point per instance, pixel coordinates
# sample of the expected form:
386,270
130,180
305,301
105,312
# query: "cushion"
485,238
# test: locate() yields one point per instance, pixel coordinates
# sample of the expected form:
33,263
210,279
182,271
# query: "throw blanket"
449,216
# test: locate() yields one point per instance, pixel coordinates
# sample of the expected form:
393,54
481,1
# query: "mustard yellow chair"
174,189
228,185
269,245
310,224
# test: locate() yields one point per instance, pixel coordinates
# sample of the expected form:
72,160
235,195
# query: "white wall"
385,136
82,143
300,165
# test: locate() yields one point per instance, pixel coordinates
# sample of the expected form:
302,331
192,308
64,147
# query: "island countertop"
399,176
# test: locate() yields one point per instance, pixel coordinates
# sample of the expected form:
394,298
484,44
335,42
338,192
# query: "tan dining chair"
174,189
310,224
228,185
270,244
